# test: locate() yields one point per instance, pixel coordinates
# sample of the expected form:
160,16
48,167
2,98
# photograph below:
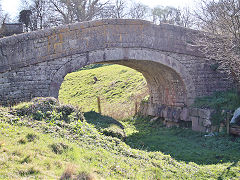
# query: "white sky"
174,3
11,6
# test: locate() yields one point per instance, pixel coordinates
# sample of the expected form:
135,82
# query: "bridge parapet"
45,45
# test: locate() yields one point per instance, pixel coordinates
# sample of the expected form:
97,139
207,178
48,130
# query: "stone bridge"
34,64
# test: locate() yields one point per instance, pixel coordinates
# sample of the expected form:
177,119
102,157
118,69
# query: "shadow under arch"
168,80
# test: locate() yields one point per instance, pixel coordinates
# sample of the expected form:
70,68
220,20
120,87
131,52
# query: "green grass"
118,87
182,144
43,149
228,100
224,104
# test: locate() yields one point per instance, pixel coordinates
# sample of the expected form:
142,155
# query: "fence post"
136,108
99,105
228,124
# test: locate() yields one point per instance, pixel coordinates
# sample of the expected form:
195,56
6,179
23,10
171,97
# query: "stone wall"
201,119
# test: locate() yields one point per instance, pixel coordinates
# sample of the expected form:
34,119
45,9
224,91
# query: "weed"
31,137
114,131
22,141
29,171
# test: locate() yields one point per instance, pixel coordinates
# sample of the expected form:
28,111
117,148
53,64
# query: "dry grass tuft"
70,173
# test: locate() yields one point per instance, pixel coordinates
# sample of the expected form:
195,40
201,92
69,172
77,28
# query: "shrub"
44,104
36,106
49,109
45,100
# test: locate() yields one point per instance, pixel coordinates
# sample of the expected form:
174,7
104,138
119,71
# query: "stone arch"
168,80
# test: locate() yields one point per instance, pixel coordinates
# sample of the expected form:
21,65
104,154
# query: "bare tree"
139,11
119,9
69,11
167,14
114,9
181,17
221,19
186,18
4,17
39,10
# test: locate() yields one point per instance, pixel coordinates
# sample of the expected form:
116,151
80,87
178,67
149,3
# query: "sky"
174,3
11,6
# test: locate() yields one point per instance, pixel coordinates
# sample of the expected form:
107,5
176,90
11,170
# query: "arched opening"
168,80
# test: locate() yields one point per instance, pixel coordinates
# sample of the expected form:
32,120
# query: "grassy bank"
119,87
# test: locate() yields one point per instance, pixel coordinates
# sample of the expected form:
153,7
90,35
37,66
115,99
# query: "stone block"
184,116
195,124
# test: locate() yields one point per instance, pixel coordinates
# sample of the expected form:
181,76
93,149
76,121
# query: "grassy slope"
118,86
26,151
